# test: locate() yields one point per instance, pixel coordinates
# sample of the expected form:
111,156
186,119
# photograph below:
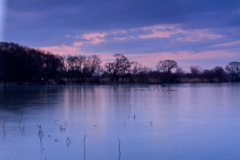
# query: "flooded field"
183,122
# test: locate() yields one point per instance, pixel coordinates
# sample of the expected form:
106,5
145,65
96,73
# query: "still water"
127,122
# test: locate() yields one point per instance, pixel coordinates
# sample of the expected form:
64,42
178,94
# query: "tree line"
24,65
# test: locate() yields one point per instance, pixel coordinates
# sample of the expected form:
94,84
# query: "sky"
191,32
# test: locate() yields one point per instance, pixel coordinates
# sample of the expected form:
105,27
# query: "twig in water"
20,120
56,121
65,124
61,128
84,143
119,146
68,141
3,126
40,127
23,130
40,135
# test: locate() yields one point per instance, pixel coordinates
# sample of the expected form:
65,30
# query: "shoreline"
99,84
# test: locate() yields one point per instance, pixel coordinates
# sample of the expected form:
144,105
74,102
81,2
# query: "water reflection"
186,121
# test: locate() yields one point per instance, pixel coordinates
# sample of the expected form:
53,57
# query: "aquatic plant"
68,141
65,124
20,121
84,144
40,134
61,128
119,148
3,126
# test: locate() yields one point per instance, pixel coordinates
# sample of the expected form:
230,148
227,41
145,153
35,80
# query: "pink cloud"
158,34
74,50
67,35
160,31
160,27
96,40
149,60
93,38
157,31
227,44
62,49
197,34
78,44
90,36
116,32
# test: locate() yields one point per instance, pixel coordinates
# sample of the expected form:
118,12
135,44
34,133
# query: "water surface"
184,122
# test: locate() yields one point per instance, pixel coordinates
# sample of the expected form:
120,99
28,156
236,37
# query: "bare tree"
119,67
233,69
78,68
219,73
166,65
143,74
195,71
208,74
136,67
164,70
94,63
179,73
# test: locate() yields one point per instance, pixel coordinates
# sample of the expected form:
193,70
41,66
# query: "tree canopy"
21,65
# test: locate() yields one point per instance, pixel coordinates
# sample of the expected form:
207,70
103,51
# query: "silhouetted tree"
52,66
94,63
195,71
208,74
134,71
143,74
20,64
23,64
118,68
166,65
164,69
233,70
179,73
219,73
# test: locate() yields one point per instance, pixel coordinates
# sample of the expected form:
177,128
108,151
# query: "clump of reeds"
63,127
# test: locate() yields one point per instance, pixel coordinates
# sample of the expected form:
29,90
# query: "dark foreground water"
182,122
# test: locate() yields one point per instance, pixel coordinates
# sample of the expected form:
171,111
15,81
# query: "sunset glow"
192,33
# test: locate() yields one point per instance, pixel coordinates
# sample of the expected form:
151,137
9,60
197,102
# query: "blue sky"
205,33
